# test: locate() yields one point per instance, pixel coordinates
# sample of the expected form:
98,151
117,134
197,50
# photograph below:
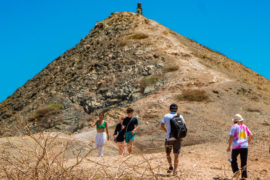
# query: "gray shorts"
175,145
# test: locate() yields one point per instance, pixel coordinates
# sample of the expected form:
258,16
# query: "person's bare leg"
130,146
121,148
176,160
169,159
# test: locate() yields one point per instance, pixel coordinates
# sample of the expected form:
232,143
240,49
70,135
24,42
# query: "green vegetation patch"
192,95
138,36
56,106
170,68
45,111
150,81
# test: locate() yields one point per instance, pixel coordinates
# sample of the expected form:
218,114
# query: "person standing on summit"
130,126
171,142
240,137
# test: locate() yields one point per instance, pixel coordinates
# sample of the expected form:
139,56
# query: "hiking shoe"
170,169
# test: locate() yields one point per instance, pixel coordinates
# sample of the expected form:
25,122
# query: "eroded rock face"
103,71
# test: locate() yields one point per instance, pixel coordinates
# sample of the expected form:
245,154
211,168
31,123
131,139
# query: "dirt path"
205,161
85,135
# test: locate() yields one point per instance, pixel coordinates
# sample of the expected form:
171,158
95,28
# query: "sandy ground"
205,161
198,162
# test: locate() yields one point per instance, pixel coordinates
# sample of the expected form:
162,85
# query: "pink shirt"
240,135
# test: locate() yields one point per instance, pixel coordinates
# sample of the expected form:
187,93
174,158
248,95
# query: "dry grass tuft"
48,110
138,36
170,68
165,33
192,95
150,81
253,110
122,43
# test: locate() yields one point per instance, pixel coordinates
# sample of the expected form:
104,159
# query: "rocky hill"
129,60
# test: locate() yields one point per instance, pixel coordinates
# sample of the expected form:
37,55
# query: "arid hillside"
129,60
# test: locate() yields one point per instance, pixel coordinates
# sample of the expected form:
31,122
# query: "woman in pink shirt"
240,137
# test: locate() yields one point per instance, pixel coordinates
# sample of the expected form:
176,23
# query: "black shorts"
175,145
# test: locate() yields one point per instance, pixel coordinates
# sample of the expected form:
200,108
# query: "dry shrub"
50,156
138,36
48,110
151,116
40,156
165,33
46,117
122,43
253,110
192,95
149,81
146,21
185,56
170,68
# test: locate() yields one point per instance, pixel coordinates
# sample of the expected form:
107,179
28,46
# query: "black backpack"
178,127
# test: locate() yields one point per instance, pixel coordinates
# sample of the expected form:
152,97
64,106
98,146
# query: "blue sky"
33,32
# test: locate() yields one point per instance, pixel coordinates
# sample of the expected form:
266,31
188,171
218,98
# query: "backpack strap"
177,115
129,123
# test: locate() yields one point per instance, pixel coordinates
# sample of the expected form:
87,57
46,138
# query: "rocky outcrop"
103,71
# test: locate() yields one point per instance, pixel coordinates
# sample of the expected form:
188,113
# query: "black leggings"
243,156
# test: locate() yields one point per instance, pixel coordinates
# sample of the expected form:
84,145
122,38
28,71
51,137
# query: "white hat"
237,118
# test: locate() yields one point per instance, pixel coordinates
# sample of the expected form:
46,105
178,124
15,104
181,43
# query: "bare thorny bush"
39,156
50,156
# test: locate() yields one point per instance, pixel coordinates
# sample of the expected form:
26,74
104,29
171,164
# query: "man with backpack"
174,126
130,125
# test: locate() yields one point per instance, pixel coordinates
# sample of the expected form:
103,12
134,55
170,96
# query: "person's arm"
136,127
116,130
230,141
182,118
123,126
231,137
93,124
163,127
107,132
250,137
